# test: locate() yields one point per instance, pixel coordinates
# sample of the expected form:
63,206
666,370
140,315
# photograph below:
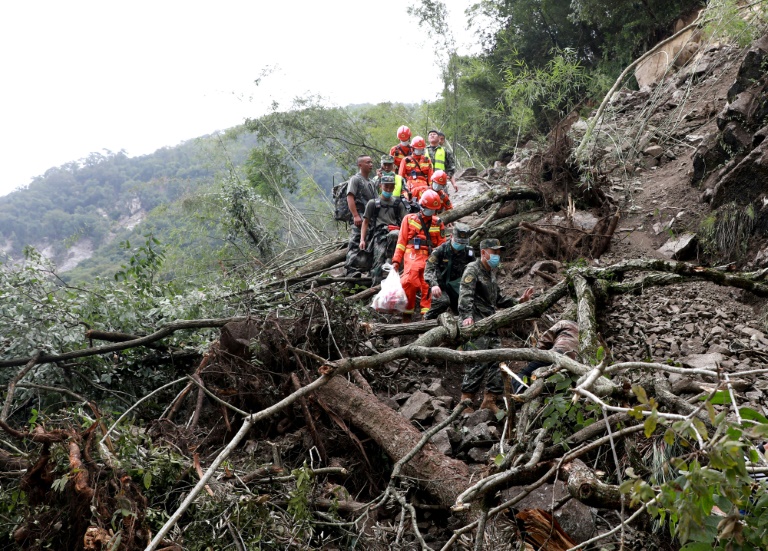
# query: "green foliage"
727,20
544,94
724,234
561,415
686,500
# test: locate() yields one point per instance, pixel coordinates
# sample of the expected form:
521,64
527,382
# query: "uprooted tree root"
67,497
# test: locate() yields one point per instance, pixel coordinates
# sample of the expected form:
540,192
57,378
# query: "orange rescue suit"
412,252
417,170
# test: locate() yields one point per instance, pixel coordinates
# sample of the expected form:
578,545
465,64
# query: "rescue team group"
395,220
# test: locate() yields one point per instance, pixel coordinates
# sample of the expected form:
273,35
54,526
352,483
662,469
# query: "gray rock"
551,266
401,397
442,442
482,432
447,401
753,334
477,417
419,407
704,361
478,455
575,518
719,349
679,248
435,388
654,151
466,173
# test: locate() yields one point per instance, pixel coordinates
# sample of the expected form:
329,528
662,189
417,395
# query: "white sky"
81,76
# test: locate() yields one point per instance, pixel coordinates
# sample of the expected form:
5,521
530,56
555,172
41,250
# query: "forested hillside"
229,386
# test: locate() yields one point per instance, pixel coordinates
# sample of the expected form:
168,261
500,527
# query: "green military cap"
491,244
387,159
387,179
461,233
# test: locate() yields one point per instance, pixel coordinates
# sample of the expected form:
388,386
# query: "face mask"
405,144
418,151
428,212
457,246
494,260
437,187
386,194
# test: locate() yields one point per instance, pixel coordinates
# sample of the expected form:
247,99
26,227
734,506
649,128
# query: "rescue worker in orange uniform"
416,169
439,181
400,152
419,234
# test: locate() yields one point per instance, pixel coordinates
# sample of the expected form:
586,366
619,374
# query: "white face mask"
418,151
405,144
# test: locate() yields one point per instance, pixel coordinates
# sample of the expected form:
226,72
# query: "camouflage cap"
461,233
387,179
491,244
387,159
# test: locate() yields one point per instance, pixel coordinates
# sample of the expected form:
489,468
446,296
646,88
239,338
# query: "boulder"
575,518
418,407
679,248
550,266
746,181
435,388
468,172
442,442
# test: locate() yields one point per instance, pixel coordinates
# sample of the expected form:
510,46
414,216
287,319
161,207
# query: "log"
747,281
443,477
587,488
585,300
324,261
494,195
502,227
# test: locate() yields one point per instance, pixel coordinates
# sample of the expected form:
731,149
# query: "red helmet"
430,200
418,143
403,133
440,177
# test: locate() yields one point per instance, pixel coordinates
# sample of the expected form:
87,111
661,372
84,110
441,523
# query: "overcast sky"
83,76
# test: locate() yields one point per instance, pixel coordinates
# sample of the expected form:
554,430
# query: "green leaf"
600,354
650,425
639,392
721,397
147,480
752,415
498,460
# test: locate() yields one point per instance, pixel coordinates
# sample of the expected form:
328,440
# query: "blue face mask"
494,260
428,212
457,246
386,194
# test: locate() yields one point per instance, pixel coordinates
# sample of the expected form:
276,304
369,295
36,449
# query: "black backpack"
341,210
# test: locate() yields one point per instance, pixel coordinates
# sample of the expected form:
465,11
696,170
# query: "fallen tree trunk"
443,477
324,262
502,227
494,195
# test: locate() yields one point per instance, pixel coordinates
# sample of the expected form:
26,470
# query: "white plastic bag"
392,297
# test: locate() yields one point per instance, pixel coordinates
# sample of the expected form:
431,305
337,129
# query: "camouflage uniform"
563,338
478,298
381,216
445,266
364,190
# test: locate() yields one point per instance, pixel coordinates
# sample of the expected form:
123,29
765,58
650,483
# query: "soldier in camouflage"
360,190
445,266
381,221
479,297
